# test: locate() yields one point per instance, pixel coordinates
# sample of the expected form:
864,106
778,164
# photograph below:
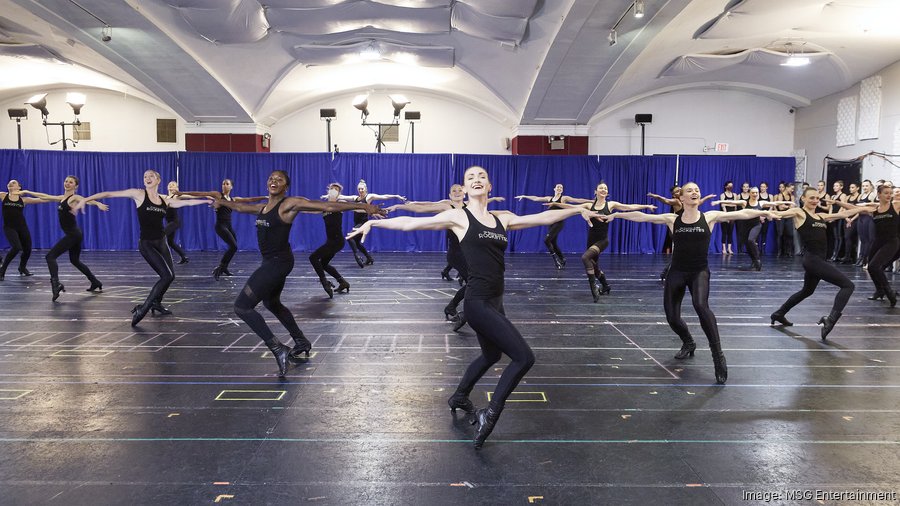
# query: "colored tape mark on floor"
11,395
251,395
523,397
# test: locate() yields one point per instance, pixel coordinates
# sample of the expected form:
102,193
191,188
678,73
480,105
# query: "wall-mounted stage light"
75,101
39,102
328,115
613,37
18,115
412,117
639,9
361,102
399,102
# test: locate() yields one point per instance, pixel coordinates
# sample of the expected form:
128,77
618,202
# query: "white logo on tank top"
487,234
689,230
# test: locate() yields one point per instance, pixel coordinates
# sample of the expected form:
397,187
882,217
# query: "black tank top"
834,207
885,224
865,199
333,226
360,218
171,214
66,218
557,201
814,236
726,197
150,218
453,240
483,248
223,214
13,213
599,229
273,234
690,244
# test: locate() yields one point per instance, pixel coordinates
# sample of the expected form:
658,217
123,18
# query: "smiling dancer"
812,228
16,228
223,222
173,223
483,239
359,217
334,242
677,208
73,237
151,210
554,229
691,232
273,228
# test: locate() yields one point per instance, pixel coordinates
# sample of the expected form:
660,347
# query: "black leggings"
851,236
321,258
265,285
866,229
70,242
156,253
836,229
751,234
458,261
727,229
19,240
171,228
496,336
226,233
357,246
590,258
550,238
816,269
698,284
882,255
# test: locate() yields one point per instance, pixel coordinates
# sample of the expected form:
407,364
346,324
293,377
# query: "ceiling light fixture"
370,52
639,9
793,59
106,31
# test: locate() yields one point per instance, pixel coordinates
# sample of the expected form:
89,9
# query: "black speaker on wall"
643,118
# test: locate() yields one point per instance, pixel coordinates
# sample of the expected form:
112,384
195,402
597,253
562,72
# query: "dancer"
691,232
554,230
151,209
851,229
363,195
173,223
334,242
784,229
836,227
727,226
748,230
483,239
273,228
812,228
455,258
73,237
223,222
740,226
15,228
764,198
865,226
598,237
677,208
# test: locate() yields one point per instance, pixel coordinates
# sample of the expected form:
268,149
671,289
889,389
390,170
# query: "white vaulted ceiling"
521,61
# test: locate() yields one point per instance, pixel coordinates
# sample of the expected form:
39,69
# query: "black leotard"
150,218
360,218
272,233
66,219
484,248
885,223
599,229
13,213
814,236
223,214
690,244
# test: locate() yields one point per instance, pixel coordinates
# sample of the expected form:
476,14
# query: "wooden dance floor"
188,409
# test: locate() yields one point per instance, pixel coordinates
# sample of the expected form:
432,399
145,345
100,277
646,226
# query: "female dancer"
784,230
173,223
363,196
811,227
598,236
749,229
677,208
151,209
727,226
223,222
334,242
15,228
851,229
836,227
740,227
73,237
483,239
273,228
764,198
556,228
691,231
865,225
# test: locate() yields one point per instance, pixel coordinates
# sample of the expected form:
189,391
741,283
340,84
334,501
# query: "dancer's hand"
375,211
101,206
588,215
214,202
362,231
392,208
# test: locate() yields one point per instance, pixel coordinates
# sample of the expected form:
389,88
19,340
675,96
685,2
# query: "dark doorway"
848,172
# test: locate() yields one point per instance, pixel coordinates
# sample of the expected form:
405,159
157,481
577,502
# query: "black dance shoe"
828,323
878,295
343,286
157,307
460,321
756,265
461,401
721,369
226,272
301,346
329,289
370,261
892,297
281,353
183,260
24,272
217,272
484,422
778,316
139,312
57,287
595,293
361,262
445,274
687,350
557,261
96,286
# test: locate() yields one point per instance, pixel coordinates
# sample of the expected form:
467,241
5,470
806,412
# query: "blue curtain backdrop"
711,172
45,171
629,179
416,176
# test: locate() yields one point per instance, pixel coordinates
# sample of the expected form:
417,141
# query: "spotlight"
106,34
39,102
361,102
412,115
327,113
399,102
638,8
612,37
18,113
75,101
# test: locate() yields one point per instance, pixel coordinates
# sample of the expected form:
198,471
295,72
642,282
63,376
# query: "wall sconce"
76,102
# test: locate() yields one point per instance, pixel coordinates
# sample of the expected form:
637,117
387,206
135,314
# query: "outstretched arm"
618,206
667,201
237,206
376,196
176,203
39,198
442,221
247,200
710,196
496,199
294,205
131,193
743,214
215,195
575,200
846,213
871,206
533,198
729,203
516,222
421,207
639,217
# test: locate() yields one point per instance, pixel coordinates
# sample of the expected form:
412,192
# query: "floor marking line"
675,376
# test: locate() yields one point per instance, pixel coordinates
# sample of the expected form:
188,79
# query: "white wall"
446,127
816,131
685,122
119,122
